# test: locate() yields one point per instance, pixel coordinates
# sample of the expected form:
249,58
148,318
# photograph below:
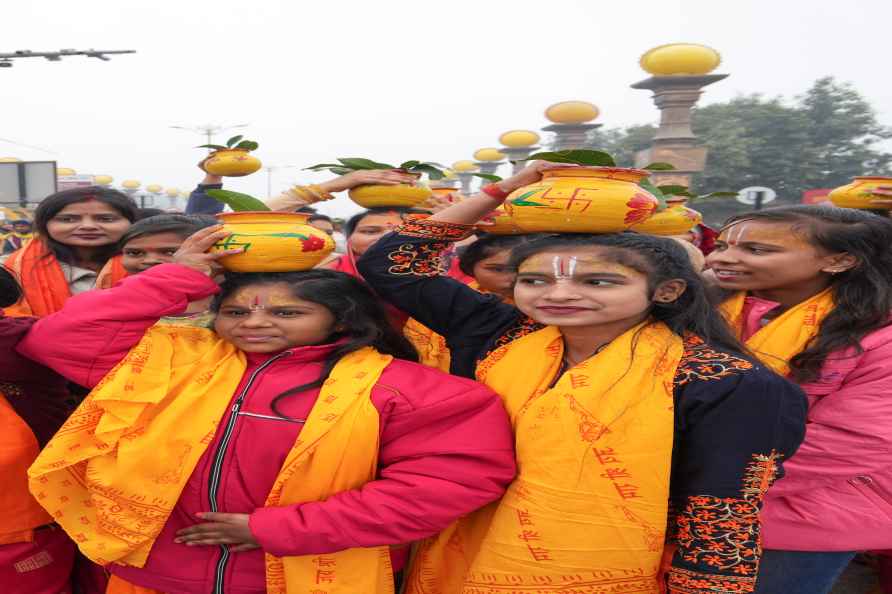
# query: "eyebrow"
610,275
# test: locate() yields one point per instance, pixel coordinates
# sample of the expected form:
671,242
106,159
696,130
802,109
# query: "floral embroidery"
420,260
427,229
519,329
723,533
701,362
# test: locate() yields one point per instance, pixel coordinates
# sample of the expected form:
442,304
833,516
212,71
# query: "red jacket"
446,443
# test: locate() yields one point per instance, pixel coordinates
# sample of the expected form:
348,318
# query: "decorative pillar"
488,161
464,170
518,145
571,124
681,71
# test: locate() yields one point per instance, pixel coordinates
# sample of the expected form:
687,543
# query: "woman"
617,375
810,291
74,250
303,377
36,556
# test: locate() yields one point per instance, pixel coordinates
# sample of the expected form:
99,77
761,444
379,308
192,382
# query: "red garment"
836,493
446,444
39,567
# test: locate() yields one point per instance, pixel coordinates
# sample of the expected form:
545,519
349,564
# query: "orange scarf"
43,282
18,449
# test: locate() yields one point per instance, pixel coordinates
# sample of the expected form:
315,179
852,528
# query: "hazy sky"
393,80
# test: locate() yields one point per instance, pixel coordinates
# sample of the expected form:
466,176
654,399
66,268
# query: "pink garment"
836,494
39,567
446,444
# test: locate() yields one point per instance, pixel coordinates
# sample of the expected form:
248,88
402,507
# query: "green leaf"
647,185
712,195
237,201
660,166
672,190
408,165
431,171
340,170
322,166
576,157
248,145
233,140
216,147
357,163
488,176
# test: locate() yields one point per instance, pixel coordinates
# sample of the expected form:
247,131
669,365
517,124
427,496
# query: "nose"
255,319
562,290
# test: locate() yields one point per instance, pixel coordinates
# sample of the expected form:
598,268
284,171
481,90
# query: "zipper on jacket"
863,479
217,466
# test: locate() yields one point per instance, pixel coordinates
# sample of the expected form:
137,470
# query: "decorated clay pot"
498,222
272,242
676,219
582,200
374,196
231,163
859,193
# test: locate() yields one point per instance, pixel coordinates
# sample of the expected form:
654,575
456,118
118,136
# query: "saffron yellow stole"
587,511
114,471
785,336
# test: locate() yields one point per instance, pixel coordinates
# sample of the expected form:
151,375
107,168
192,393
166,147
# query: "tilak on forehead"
263,297
745,231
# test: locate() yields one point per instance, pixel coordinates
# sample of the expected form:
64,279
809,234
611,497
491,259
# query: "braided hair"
660,259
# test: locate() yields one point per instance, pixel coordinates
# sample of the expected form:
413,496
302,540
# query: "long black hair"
862,295
10,291
660,259
486,245
355,308
50,206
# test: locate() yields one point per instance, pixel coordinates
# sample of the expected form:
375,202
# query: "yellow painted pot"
677,219
582,200
859,193
232,163
374,196
273,242
498,222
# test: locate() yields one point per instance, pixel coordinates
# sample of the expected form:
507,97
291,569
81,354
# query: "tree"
623,143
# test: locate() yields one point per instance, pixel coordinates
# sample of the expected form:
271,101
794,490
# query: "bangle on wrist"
311,194
494,191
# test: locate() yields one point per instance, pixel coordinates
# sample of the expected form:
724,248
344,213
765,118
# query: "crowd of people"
436,409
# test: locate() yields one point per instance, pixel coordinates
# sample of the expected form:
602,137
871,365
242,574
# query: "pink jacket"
836,494
446,443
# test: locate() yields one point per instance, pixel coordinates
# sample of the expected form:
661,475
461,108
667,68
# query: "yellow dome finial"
680,59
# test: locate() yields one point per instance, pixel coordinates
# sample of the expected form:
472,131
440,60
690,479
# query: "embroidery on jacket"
723,533
701,362
427,229
419,260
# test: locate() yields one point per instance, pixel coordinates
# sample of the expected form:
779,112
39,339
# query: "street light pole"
7,58
269,177
208,130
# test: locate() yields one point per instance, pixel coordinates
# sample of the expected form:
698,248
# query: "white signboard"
69,182
751,194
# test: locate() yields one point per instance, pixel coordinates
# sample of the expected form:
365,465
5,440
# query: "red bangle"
494,191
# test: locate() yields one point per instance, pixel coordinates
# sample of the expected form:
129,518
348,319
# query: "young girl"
284,452
36,556
77,237
617,375
810,291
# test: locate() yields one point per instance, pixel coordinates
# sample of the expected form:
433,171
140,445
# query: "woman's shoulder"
415,386
703,362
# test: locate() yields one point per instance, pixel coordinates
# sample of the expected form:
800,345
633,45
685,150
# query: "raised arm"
735,430
96,329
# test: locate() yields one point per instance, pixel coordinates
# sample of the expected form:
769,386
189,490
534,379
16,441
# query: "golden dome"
680,59
10,160
60,171
519,138
172,192
102,180
489,154
572,112
154,188
462,166
130,184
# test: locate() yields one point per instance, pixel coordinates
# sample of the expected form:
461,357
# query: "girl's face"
143,252
372,228
578,287
87,224
268,318
493,275
761,256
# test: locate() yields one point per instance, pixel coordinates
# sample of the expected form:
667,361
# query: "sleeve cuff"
269,530
425,228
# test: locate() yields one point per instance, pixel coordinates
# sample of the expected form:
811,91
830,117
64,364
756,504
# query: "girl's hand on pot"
530,174
194,253
436,203
219,529
366,177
